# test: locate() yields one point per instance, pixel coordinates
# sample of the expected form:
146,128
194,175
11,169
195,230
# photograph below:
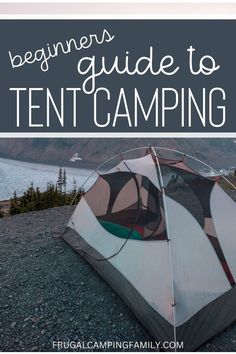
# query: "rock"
34,349
13,324
87,317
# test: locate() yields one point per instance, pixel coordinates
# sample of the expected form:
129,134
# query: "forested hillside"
220,152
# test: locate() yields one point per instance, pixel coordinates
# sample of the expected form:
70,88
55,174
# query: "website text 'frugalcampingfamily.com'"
112,345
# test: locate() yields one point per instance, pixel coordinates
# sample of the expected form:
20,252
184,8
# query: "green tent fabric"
120,231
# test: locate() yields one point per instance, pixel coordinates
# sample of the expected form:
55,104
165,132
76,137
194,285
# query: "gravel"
49,293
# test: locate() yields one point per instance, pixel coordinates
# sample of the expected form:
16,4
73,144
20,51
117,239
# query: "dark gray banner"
118,76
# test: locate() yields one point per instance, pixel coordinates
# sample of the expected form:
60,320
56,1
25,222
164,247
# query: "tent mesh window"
133,209
189,189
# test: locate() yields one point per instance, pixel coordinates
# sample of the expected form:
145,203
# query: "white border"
118,17
112,16
118,1
163,14
120,9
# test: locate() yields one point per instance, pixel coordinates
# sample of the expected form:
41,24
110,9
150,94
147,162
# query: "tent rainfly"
164,237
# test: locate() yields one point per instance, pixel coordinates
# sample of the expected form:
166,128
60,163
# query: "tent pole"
152,149
198,160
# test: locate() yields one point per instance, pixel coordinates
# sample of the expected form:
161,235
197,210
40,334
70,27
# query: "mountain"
220,153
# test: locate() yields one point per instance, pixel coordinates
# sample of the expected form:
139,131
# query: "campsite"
51,294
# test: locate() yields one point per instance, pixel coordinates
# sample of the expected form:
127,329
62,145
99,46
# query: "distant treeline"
55,195
232,178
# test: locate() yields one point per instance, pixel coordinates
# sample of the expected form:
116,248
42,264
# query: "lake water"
18,175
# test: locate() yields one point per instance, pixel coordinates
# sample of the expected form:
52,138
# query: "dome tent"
163,237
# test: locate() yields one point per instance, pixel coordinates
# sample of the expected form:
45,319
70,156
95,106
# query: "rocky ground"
49,293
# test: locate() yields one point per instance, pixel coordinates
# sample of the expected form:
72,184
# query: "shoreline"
85,164
74,171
